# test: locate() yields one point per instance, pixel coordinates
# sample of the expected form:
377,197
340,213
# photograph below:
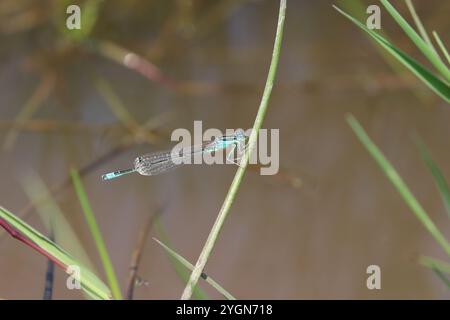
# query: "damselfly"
160,162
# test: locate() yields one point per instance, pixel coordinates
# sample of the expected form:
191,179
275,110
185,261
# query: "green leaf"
441,276
440,268
93,286
423,46
190,266
419,25
438,177
432,262
53,218
434,83
398,183
441,46
180,269
96,234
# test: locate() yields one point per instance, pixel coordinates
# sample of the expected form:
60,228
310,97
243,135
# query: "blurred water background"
310,231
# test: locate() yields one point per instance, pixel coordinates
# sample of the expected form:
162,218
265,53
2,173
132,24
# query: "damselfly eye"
239,133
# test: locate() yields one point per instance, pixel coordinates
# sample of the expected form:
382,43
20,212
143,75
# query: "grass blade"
190,266
96,234
223,213
440,268
434,83
435,263
357,9
53,218
90,284
441,46
423,32
180,269
442,277
438,177
429,53
398,183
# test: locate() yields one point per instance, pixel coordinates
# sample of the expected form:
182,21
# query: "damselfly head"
240,134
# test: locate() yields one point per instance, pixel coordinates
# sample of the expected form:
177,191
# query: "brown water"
314,241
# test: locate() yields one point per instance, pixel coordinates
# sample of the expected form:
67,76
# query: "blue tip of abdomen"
115,174
109,176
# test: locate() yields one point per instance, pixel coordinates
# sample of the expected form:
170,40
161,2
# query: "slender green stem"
96,234
214,233
419,24
399,184
441,46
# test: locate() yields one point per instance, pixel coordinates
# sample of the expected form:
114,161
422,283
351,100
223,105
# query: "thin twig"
137,252
214,233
